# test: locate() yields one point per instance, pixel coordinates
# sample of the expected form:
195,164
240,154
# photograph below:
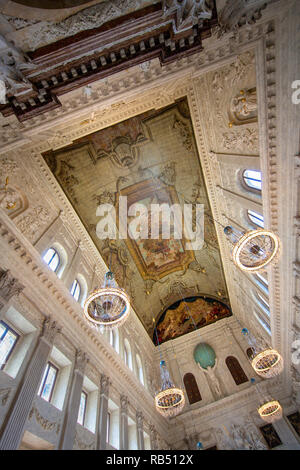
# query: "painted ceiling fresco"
150,158
188,314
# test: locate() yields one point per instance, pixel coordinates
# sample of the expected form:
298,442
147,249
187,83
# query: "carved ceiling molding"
66,65
132,81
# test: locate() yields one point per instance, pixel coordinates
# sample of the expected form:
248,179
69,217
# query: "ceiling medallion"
108,306
253,250
169,401
266,362
270,411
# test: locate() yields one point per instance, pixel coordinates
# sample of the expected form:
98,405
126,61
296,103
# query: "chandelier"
266,362
108,306
270,411
253,250
169,401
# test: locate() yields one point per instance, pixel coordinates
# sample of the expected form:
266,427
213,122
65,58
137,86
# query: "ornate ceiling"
150,158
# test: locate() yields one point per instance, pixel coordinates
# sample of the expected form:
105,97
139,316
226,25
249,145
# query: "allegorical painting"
185,315
151,158
155,258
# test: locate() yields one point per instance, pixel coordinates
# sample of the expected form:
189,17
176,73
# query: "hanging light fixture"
266,362
170,400
108,306
253,250
269,410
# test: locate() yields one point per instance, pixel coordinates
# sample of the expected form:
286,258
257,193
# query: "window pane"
108,427
82,406
263,303
252,179
52,259
8,339
262,279
48,382
75,290
256,218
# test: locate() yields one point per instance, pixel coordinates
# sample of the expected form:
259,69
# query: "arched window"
262,303
140,371
263,322
75,290
127,354
51,257
236,370
256,218
262,282
250,352
191,387
252,179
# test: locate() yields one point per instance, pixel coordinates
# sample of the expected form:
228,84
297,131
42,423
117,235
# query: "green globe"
204,355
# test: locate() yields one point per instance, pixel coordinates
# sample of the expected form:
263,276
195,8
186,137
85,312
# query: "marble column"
124,443
71,416
103,412
140,430
153,437
13,431
9,286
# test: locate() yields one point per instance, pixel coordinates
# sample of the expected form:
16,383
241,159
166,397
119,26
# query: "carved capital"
9,285
81,361
237,13
124,404
104,384
139,419
50,330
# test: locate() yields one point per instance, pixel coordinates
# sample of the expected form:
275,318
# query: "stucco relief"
33,222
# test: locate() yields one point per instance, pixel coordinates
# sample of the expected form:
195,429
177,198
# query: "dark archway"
192,389
236,370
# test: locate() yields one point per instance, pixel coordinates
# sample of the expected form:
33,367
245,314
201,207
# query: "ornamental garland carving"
82,445
4,394
239,139
43,422
31,223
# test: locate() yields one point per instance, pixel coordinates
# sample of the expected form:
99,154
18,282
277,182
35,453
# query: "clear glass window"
108,427
252,179
51,257
82,408
256,218
48,382
8,340
75,290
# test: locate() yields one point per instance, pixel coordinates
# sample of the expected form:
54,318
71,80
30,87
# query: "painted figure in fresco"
177,321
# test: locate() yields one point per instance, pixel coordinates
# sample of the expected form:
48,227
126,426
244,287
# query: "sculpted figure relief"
210,372
12,62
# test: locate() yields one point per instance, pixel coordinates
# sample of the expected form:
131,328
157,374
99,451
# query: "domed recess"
204,355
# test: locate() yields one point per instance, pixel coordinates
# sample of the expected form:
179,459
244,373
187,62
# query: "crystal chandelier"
169,401
266,362
270,411
108,306
253,250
